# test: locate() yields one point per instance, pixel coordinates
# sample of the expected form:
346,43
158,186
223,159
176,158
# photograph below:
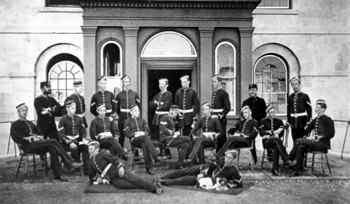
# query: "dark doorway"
153,89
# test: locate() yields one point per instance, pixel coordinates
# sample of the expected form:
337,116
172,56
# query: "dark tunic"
100,161
80,106
268,124
258,107
100,98
71,126
133,125
168,126
100,125
218,169
125,100
299,110
21,129
46,121
166,99
248,127
323,126
220,104
187,100
209,124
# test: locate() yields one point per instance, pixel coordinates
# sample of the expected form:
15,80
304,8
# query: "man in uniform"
248,130
255,103
137,130
47,108
187,100
212,131
271,131
161,102
222,169
103,97
79,101
102,131
298,110
108,168
220,105
71,132
323,126
170,134
27,136
124,100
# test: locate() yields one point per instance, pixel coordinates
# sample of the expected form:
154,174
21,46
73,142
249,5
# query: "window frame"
276,7
286,82
47,4
231,112
103,71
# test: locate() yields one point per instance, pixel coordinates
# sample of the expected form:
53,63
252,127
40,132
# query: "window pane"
111,60
274,3
62,2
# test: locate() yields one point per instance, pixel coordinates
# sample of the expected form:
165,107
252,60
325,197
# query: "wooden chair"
132,156
322,162
250,154
27,160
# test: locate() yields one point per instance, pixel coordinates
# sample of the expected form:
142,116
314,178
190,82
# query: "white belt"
298,114
162,112
108,111
72,137
186,111
104,172
125,110
217,110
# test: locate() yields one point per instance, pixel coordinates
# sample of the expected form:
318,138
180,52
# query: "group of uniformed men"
176,125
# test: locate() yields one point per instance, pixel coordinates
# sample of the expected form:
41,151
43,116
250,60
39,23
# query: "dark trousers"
181,142
221,140
297,133
121,133
75,153
54,148
166,151
199,145
278,148
300,148
233,142
147,147
50,132
114,146
186,130
131,181
186,176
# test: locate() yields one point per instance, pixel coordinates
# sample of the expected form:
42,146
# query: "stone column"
246,70
206,70
90,67
131,62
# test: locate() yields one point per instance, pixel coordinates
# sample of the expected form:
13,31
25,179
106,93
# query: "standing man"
27,136
298,110
324,132
161,102
124,100
187,100
47,108
79,101
255,103
72,132
220,104
103,97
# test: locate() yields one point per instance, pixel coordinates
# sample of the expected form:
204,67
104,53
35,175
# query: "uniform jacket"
100,161
46,121
80,106
218,169
323,126
99,125
100,98
220,100
133,125
168,126
166,98
258,107
298,103
22,129
248,127
186,99
124,100
71,126
209,124
266,125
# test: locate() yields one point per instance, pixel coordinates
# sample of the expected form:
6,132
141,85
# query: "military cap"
70,103
133,107
44,83
100,106
245,107
269,107
163,79
102,78
174,106
252,86
216,76
294,79
78,83
125,77
20,106
205,104
184,77
93,142
319,101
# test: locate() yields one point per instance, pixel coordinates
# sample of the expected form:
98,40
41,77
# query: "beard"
47,92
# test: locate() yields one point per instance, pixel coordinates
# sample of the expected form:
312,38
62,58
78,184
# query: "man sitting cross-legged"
137,130
170,135
104,167
102,131
221,169
26,135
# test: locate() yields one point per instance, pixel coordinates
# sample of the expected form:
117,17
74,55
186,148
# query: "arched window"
168,44
111,59
62,75
271,76
225,66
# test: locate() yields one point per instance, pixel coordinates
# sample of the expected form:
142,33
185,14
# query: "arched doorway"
168,55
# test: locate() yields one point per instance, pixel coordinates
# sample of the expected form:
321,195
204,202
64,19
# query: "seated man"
170,135
137,130
223,168
71,133
26,135
271,131
324,132
248,130
211,131
102,131
105,167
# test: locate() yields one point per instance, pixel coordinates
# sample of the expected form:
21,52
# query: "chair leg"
34,165
305,159
19,165
238,153
26,167
322,163
329,167
313,163
262,158
45,164
251,160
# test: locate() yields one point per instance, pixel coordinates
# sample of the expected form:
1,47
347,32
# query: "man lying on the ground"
28,138
104,167
222,169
